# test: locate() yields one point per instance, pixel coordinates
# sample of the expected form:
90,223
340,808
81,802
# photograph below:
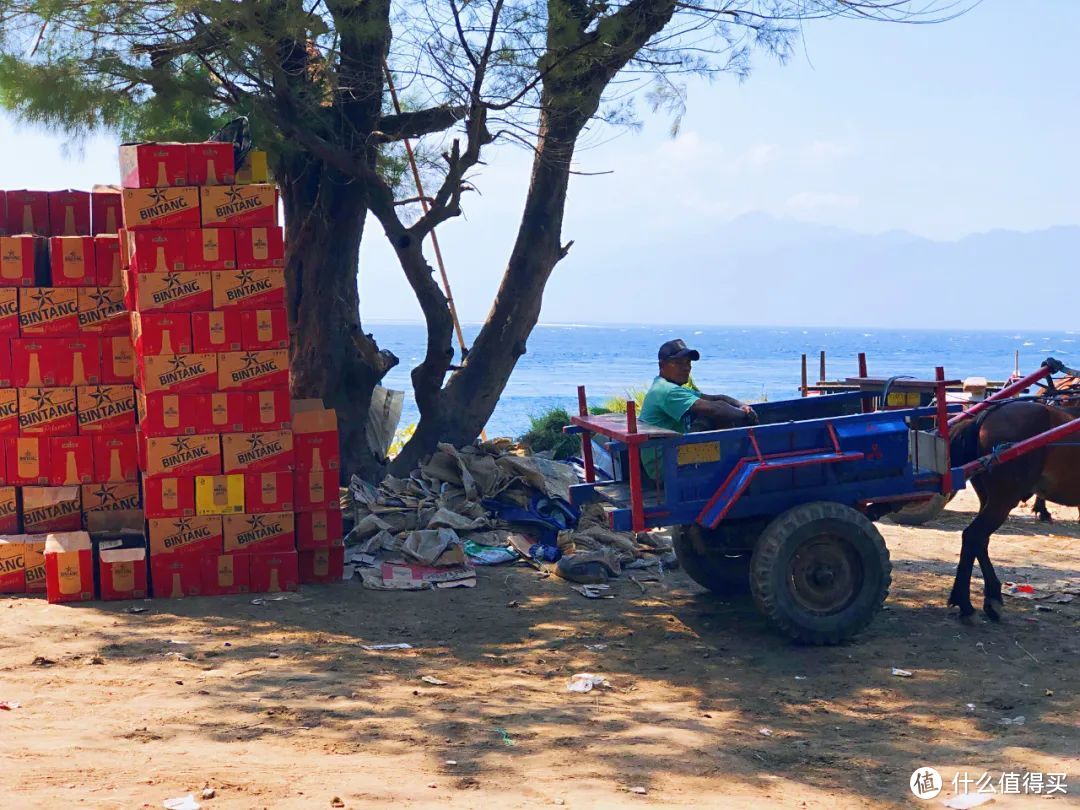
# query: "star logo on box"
256,522
177,363
183,525
255,441
101,397
181,444
157,195
106,496
43,297
250,359
244,277
172,281
101,298
42,398
233,195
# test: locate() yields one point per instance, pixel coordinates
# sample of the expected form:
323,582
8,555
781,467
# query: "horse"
1048,471
1064,394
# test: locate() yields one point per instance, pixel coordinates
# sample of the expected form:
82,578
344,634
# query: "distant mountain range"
761,270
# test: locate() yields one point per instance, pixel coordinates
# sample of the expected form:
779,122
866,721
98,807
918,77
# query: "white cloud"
820,152
808,203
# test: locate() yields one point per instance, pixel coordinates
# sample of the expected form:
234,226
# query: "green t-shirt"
666,406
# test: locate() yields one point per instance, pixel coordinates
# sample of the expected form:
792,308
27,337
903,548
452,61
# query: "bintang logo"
247,286
46,309
52,511
12,564
108,500
9,409
105,307
183,453
7,508
259,529
253,368
184,534
9,307
180,370
104,407
258,449
162,205
236,203
175,289
45,410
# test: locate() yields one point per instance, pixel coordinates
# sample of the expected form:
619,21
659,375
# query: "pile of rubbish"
486,505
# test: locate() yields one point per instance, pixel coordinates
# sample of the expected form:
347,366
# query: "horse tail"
964,442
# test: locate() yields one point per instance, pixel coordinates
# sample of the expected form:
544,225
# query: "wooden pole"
804,386
821,367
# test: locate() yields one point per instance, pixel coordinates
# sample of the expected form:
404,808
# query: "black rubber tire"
781,564
724,575
920,512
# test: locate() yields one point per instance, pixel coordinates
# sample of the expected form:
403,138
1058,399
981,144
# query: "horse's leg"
961,590
1040,509
994,514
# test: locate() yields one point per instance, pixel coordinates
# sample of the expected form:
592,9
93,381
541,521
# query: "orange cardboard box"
316,436
253,371
169,497
12,564
211,164
268,410
9,415
106,408
211,249
48,311
48,362
116,457
69,567
152,165
315,490
169,292
35,563
9,509
263,329
69,213
51,509
185,535
117,360
105,213
119,496
273,572
107,260
161,333
26,460
321,566
160,208
9,313
156,251
323,529
102,311
178,373
122,573
219,331
260,247
249,289
252,206
273,531
48,412
180,455
28,212
268,492
71,460
24,260
257,452
224,574
174,576
72,261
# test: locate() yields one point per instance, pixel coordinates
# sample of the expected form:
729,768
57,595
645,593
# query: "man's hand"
751,415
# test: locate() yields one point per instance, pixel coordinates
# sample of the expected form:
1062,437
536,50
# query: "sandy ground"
278,706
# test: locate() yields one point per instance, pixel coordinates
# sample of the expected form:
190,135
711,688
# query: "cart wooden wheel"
820,572
723,574
920,512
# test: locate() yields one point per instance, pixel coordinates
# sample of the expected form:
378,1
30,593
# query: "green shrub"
545,433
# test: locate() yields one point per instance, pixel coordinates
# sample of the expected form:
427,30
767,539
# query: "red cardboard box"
26,460
71,460
169,497
160,208
117,360
51,509
69,567
166,414
110,496
268,492
156,251
72,261
9,416
216,331
12,564
116,458
6,376
323,565
9,509
268,410
211,249
9,313
107,260
315,490
253,371
257,452
260,247
122,573
24,260
252,206
106,409
153,165
324,529
3,213
263,329
175,576
48,412
28,212
178,373
210,164
48,311
169,292
316,436
35,563
102,311
180,455
274,531
69,213
105,210
224,574
249,289
47,362
157,333
185,536
274,572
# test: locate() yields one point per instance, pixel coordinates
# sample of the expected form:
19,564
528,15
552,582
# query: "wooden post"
821,367
940,395
633,453
586,438
803,385
867,403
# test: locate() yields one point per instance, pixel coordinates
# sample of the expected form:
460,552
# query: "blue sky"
942,131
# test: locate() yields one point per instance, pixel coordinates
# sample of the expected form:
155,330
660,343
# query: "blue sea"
751,363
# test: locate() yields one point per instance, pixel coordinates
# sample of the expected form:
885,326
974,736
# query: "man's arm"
724,398
718,411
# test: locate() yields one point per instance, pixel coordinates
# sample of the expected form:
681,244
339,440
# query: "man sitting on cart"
674,404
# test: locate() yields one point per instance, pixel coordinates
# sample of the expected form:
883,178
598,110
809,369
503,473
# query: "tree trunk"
332,359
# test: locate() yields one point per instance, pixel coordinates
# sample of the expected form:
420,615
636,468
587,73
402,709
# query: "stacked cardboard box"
67,405
318,507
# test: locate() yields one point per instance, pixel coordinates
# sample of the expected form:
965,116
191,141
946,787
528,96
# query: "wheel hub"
825,574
